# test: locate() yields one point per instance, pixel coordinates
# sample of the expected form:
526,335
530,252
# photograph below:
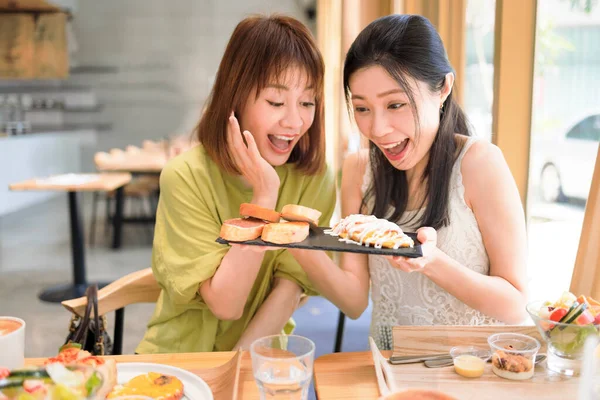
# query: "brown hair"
260,49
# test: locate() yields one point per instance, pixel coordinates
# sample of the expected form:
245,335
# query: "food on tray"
568,321
153,384
513,355
241,229
53,381
469,366
292,212
258,212
72,354
285,232
369,230
511,365
569,309
263,222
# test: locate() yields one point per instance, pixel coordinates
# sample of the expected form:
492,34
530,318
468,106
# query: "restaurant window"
564,138
479,70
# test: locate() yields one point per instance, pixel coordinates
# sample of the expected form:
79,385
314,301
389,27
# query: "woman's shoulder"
188,166
480,164
480,155
189,161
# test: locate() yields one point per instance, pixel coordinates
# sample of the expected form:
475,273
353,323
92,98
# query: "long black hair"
408,46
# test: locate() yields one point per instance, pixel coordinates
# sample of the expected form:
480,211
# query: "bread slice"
258,212
293,212
285,232
241,229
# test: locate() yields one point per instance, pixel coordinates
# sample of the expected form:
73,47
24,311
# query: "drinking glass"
589,388
283,366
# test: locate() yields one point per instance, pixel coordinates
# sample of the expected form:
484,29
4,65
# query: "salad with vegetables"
567,322
51,382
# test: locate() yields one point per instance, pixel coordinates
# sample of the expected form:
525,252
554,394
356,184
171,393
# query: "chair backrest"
412,340
137,287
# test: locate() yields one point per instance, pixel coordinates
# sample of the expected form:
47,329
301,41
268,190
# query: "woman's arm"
226,292
491,192
273,314
346,287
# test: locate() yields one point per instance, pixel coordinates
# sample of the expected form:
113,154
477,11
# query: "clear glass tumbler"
283,366
589,388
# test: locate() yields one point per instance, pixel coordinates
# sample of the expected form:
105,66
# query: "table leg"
117,219
59,293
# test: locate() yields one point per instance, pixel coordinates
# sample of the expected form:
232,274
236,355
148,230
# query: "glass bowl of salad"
565,325
51,382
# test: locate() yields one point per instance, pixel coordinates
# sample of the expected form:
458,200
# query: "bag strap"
81,333
99,321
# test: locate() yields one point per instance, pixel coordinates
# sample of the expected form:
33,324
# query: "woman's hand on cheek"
254,168
428,238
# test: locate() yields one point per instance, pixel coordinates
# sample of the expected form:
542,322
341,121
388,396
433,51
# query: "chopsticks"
382,371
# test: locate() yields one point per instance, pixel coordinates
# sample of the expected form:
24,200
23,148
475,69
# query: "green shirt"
196,196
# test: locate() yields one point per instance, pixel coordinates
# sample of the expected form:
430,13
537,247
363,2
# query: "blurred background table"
72,184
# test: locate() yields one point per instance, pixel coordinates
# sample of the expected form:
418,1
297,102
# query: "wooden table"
119,218
193,362
346,376
352,376
100,182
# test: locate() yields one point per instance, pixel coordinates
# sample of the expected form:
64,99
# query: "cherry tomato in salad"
558,314
4,372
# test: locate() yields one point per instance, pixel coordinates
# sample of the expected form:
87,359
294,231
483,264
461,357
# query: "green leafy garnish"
69,345
93,383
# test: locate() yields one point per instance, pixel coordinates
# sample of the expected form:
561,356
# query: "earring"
442,108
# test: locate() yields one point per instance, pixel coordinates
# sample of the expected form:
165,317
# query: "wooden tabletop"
137,169
346,376
75,182
352,376
193,362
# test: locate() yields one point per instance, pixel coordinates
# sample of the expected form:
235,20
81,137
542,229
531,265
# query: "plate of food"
52,381
75,374
298,227
158,381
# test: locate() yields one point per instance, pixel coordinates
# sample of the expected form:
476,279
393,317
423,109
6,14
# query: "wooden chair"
136,287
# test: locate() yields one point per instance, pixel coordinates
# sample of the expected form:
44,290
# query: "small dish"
469,361
513,355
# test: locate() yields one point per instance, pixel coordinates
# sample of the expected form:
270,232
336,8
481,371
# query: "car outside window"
588,129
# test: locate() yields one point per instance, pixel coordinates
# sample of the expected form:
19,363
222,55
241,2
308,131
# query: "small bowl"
513,355
469,361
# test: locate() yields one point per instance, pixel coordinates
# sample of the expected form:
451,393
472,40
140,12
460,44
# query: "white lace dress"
400,298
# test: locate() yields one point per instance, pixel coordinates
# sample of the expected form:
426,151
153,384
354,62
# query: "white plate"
194,388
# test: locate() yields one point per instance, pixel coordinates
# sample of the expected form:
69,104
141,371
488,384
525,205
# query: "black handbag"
90,333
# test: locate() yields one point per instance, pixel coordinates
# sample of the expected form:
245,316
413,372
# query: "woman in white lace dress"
424,171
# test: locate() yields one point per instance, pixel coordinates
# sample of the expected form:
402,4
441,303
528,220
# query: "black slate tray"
317,240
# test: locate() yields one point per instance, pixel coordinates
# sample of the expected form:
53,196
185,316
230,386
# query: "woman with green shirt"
214,297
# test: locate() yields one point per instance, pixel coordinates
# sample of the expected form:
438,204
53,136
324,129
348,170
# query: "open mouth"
396,150
281,143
